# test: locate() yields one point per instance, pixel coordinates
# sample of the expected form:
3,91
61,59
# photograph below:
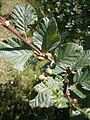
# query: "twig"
62,67
67,87
23,39
66,78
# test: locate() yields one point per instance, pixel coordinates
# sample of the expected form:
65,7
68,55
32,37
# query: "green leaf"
73,56
57,70
24,15
58,99
48,92
42,99
67,55
83,77
77,91
15,51
54,42
83,60
46,35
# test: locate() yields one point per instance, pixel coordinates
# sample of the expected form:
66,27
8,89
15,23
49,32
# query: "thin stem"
68,85
24,40
70,73
65,69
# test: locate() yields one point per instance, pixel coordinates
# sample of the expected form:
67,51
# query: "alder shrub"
65,76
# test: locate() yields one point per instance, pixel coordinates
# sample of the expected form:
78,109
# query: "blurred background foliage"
73,18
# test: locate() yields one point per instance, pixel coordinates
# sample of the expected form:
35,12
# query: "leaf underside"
50,93
15,51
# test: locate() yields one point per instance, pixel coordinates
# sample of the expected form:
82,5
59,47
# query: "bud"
52,64
67,93
42,77
75,102
41,58
49,71
49,55
7,23
35,52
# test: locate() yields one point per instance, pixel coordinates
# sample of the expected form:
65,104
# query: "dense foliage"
59,36
72,16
